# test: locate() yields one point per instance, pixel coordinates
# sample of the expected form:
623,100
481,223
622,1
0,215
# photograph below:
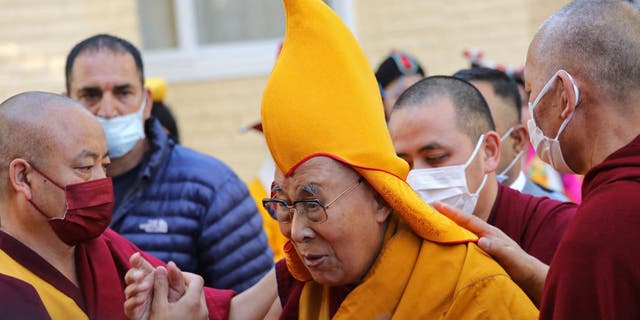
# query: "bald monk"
587,98
58,259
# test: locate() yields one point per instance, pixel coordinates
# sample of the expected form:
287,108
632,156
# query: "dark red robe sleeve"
218,300
595,273
535,223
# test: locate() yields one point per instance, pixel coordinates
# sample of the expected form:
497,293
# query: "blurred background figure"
160,110
537,170
260,188
501,93
172,201
443,128
395,74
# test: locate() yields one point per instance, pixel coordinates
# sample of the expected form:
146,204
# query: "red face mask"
88,212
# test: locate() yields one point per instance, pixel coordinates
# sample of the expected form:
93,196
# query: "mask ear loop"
513,162
44,175
534,104
475,151
484,181
503,174
544,90
66,204
143,103
506,134
473,156
576,91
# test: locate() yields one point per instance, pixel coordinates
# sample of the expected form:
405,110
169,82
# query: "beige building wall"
437,32
36,35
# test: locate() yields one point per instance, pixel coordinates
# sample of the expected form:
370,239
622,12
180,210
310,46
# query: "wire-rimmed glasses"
313,209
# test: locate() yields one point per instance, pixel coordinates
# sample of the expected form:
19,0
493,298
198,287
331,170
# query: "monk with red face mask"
57,258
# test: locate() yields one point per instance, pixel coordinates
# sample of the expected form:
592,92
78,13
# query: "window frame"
193,62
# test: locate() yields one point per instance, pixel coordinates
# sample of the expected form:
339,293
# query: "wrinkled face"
80,155
427,137
395,88
341,249
107,83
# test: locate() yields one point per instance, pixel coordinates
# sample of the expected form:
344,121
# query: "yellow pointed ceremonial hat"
322,99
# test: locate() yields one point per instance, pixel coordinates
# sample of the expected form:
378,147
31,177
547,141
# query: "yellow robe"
414,278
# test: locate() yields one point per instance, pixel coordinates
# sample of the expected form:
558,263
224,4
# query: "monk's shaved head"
33,124
473,117
597,40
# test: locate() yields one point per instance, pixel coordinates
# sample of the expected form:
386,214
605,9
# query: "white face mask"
123,132
447,184
503,176
546,148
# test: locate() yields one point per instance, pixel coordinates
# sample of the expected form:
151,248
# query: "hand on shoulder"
526,271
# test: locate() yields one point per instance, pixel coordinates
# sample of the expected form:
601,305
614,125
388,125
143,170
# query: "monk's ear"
569,94
383,209
520,137
491,151
20,177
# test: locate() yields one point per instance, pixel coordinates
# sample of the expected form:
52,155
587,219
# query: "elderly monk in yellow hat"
362,244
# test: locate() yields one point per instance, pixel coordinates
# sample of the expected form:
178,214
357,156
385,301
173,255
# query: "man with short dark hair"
443,128
503,98
173,202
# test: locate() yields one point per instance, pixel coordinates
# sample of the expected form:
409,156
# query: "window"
186,40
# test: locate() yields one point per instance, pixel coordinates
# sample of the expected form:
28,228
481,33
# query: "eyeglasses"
313,209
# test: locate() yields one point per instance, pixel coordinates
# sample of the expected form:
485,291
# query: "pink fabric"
541,174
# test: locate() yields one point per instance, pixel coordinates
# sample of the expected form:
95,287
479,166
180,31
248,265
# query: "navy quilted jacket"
190,208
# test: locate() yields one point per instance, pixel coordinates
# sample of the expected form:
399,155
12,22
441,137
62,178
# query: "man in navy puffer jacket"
171,201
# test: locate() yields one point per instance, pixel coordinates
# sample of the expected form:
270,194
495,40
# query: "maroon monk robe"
20,300
596,271
535,223
101,265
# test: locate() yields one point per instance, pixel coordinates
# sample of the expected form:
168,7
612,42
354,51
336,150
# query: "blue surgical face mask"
123,132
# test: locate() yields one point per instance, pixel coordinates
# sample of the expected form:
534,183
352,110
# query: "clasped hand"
162,293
